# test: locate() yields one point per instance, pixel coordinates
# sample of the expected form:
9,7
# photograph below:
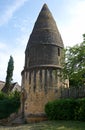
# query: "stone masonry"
41,76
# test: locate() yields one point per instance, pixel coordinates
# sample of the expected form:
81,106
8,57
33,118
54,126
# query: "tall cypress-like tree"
9,75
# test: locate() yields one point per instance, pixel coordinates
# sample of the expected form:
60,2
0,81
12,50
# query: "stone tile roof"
45,30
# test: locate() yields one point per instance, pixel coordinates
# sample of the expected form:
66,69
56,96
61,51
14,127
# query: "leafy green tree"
10,69
74,65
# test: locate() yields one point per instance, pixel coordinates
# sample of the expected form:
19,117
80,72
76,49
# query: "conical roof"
45,30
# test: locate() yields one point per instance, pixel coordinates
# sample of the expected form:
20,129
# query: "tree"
74,65
10,69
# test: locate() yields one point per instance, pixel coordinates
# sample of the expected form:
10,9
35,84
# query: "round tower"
43,64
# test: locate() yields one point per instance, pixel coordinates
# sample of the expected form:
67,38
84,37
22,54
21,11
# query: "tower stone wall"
41,77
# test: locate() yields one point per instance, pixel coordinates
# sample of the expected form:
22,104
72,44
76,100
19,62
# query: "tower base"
34,118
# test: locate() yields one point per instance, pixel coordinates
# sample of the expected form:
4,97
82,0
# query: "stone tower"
43,63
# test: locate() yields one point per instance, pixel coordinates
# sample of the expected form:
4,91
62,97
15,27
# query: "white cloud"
10,10
72,32
18,56
17,52
5,52
4,57
2,46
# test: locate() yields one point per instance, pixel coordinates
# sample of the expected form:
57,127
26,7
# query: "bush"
2,95
66,109
80,110
9,104
60,109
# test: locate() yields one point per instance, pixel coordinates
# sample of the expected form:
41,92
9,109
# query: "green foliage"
2,95
84,37
60,109
74,65
10,69
66,109
80,110
9,104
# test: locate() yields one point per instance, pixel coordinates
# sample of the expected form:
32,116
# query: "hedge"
66,109
80,109
9,104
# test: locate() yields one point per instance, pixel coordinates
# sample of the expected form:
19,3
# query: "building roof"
2,83
45,30
12,86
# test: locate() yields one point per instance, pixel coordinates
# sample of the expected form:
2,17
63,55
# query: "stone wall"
41,86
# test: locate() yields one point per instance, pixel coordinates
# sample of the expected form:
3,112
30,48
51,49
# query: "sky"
17,18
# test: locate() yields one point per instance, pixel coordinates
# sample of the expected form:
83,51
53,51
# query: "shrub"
9,104
66,109
60,109
80,110
2,95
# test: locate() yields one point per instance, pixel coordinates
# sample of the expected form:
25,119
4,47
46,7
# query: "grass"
49,125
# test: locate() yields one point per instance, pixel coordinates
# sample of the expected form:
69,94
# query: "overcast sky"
17,18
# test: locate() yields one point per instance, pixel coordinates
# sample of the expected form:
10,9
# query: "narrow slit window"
30,77
58,51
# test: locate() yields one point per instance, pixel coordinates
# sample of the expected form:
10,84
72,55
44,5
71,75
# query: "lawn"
49,125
